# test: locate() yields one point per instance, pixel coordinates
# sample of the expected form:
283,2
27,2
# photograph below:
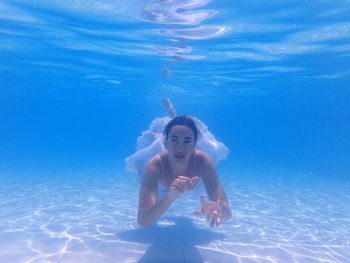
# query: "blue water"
80,80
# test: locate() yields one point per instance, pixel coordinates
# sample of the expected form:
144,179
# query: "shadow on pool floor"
174,242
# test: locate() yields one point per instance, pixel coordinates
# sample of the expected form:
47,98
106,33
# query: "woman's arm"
150,208
217,208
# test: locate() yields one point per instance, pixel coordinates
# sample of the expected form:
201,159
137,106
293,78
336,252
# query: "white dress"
151,142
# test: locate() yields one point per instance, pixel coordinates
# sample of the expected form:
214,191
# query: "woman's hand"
182,184
211,209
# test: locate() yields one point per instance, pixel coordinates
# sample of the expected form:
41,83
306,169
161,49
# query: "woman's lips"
179,156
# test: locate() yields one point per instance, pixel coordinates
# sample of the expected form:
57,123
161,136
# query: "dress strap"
163,171
199,184
194,160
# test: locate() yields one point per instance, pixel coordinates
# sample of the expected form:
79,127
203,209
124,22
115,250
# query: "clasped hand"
182,184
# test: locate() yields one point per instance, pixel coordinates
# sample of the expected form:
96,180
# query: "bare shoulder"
153,169
207,170
203,160
205,166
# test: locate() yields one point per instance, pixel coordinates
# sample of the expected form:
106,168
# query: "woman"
179,169
152,141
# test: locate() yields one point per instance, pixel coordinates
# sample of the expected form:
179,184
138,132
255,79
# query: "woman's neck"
178,168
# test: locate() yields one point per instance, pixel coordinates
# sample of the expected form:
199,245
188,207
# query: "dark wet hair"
181,120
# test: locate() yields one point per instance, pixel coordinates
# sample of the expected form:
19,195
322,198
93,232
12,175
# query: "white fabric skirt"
151,142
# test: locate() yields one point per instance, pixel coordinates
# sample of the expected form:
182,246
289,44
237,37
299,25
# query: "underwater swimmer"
151,142
178,169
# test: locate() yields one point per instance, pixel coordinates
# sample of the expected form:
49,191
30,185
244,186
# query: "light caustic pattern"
93,219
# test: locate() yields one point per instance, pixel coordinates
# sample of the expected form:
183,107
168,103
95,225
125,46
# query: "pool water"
80,81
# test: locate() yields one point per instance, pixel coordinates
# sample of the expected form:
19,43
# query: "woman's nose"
180,146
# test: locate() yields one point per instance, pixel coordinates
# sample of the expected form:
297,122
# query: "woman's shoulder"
205,166
203,159
154,167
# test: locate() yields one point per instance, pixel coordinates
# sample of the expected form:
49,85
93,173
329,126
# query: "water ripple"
201,32
175,12
180,13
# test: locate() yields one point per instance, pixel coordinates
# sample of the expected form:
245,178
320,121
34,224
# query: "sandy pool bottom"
80,218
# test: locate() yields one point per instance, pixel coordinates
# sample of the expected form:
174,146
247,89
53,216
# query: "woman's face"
180,143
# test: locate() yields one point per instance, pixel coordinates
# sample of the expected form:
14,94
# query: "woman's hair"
181,120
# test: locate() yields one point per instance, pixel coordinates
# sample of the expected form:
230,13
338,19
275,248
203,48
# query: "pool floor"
80,218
